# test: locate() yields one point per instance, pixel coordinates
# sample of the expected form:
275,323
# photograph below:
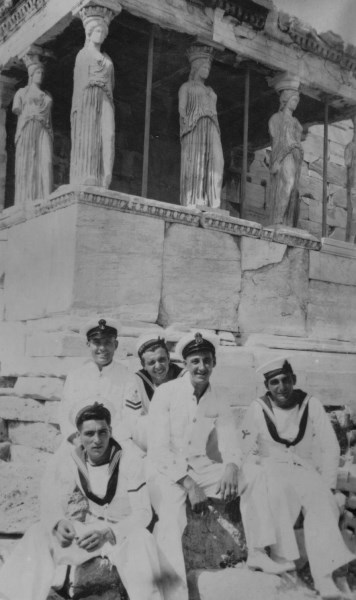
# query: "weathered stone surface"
3,431
39,367
273,299
298,343
28,409
240,583
43,436
258,253
19,483
334,269
234,375
12,340
331,311
201,278
111,247
40,265
338,248
56,344
5,451
42,388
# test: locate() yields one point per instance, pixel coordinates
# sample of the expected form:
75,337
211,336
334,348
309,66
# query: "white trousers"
169,501
290,489
29,571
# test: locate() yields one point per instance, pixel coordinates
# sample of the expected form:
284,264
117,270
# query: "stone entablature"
308,39
171,213
14,18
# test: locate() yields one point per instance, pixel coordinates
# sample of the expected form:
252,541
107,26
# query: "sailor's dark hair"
96,411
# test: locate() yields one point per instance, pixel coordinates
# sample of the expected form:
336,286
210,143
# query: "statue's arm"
182,100
17,102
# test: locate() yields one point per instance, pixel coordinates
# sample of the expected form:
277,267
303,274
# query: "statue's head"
96,30
200,58
96,20
289,98
35,73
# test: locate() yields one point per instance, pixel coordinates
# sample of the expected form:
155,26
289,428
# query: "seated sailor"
115,511
288,433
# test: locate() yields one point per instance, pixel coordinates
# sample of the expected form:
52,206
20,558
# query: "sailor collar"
80,459
302,400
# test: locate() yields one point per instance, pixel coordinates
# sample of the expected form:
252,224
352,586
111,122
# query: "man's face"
95,436
102,349
156,363
200,365
281,387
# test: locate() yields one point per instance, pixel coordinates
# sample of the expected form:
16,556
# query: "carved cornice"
230,225
67,195
171,213
244,11
291,237
17,16
328,46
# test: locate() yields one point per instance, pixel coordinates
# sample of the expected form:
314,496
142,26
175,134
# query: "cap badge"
102,324
198,339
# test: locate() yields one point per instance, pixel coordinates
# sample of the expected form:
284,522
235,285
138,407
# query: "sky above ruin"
338,16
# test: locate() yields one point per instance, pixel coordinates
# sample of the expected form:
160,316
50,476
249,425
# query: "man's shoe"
258,560
289,565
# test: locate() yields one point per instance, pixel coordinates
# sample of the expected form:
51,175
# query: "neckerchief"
301,400
79,457
173,372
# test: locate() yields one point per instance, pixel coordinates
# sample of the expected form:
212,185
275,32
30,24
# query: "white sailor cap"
149,339
81,405
198,339
275,366
98,327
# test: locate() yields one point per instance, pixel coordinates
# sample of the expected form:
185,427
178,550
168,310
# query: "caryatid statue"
202,159
92,115
34,135
286,156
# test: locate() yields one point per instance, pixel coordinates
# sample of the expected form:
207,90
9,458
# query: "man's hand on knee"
94,540
64,532
228,486
196,495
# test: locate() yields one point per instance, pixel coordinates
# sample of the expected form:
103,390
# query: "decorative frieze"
18,16
294,237
171,213
230,225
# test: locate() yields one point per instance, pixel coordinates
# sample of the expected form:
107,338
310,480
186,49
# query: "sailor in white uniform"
100,379
157,368
183,414
289,434
113,515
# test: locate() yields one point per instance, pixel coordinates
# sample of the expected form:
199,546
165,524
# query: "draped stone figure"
34,136
202,160
92,115
286,157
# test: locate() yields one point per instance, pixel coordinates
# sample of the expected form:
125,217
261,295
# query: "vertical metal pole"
325,171
146,142
245,143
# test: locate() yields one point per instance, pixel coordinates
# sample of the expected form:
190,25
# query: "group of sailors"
164,436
